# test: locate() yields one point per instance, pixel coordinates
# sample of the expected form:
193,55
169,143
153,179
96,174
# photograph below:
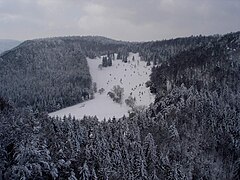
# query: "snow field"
132,76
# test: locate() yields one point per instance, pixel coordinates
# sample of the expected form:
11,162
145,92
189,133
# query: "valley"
131,76
187,129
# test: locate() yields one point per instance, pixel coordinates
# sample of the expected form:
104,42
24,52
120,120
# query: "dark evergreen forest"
192,131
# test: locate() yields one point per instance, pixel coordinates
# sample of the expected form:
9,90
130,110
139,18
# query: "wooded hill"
49,74
192,130
52,73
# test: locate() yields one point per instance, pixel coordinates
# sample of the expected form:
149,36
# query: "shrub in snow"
100,66
100,91
111,95
130,101
95,87
116,94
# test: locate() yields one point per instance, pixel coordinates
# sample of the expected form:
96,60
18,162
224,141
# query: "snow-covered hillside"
132,76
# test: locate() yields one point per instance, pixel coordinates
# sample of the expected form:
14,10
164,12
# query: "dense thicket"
207,67
49,74
192,130
197,109
40,147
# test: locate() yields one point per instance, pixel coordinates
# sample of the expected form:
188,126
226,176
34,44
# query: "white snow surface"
132,76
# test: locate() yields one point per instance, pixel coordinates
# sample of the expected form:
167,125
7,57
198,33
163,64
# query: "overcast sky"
133,20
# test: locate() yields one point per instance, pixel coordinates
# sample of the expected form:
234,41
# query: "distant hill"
6,44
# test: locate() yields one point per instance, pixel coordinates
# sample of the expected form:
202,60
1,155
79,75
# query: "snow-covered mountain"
6,44
131,76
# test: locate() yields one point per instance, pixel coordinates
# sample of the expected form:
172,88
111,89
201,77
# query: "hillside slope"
196,111
49,74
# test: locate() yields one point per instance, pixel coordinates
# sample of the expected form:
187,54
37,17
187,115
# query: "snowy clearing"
132,76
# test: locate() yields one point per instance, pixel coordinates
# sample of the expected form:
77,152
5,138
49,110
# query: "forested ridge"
160,51
49,74
192,130
198,104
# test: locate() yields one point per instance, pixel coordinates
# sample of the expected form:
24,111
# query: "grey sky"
134,20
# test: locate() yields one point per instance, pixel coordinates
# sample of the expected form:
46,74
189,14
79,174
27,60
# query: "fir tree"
104,62
84,173
150,152
109,61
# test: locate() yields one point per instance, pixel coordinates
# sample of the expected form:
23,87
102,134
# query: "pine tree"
148,63
150,152
84,173
155,60
139,166
117,162
109,61
119,56
72,176
124,59
104,62
95,87
154,176
94,175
